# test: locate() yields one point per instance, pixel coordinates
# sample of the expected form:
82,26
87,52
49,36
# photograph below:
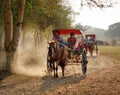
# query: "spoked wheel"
49,64
84,62
84,68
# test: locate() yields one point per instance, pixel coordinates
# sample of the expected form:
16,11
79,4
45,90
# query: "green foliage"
47,12
62,18
14,7
80,27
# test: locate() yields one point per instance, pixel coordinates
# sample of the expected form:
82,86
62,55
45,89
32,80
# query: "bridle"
52,48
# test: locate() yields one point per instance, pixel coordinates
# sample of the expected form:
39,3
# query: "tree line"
39,15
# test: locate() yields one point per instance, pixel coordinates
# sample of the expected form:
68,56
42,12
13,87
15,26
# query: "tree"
42,13
45,13
98,3
80,27
12,34
114,31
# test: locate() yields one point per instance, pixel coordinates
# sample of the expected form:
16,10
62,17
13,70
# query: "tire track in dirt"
73,73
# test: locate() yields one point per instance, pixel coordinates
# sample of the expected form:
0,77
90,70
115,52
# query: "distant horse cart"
91,44
59,57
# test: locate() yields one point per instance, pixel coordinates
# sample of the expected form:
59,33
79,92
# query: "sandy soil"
103,78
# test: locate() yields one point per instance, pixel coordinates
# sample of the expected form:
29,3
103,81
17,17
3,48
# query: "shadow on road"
49,82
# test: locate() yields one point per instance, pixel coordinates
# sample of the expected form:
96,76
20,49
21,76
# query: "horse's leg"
90,52
56,72
92,49
63,68
54,69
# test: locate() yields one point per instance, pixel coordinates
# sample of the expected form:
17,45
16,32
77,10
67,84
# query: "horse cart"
59,56
91,44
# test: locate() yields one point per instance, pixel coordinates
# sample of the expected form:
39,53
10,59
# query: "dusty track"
103,78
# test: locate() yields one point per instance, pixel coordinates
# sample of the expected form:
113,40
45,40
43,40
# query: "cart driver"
58,39
71,43
72,40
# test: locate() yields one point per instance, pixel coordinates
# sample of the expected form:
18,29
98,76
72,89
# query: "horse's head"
91,45
52,47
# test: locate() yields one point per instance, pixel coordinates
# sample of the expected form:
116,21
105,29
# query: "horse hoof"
56,76
86,62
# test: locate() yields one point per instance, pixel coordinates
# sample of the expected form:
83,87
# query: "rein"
65,47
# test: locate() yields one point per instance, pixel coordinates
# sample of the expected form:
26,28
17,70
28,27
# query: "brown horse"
91,46
58,58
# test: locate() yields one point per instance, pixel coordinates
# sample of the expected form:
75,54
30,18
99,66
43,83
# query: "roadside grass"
110,51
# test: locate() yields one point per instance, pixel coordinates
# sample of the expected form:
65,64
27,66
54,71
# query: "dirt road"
103,78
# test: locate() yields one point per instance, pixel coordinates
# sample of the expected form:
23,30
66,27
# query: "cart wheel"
49,64
84,62
96,49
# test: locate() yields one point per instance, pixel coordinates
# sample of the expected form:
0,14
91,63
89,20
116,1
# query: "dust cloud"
31,61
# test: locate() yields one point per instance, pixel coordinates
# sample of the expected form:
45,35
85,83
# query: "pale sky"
96,17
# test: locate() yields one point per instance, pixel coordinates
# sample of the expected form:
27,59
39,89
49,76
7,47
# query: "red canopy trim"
68,31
